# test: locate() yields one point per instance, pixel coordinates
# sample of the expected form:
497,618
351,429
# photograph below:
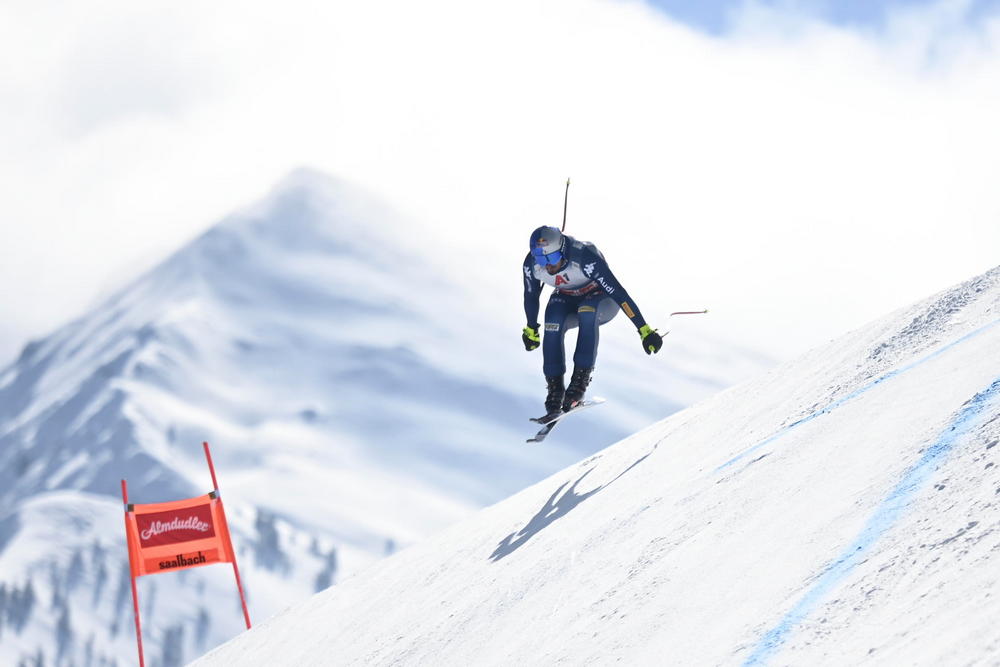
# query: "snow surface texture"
348,416
842,509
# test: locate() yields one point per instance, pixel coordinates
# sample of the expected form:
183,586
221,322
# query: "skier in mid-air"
587,295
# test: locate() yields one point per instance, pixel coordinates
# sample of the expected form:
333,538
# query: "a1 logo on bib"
562,279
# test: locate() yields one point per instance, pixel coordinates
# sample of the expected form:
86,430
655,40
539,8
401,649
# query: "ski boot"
554,399
577,388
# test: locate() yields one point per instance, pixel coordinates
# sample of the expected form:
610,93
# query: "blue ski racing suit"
587,295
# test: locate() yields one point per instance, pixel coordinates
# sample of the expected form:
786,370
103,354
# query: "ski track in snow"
857,392
885,515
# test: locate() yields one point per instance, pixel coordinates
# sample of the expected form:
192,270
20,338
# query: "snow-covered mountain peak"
306,212
312,346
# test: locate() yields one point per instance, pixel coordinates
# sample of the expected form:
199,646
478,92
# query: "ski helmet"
546,245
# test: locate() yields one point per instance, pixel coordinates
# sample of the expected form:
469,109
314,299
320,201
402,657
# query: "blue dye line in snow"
854,394
885,516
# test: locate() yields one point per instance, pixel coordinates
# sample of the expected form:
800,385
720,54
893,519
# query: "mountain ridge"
346,417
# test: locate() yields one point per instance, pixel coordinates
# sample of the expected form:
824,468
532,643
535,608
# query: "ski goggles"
542,259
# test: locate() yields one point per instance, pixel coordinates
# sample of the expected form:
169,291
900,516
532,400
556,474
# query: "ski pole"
689,312
565,204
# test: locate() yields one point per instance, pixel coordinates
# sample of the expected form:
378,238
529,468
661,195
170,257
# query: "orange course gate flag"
163,537
177,535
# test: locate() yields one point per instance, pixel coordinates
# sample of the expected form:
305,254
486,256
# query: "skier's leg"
586,353
589,335
553,351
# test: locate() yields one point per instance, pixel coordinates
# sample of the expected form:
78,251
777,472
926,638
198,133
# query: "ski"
551,422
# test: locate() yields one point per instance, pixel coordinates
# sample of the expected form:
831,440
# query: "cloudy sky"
798,167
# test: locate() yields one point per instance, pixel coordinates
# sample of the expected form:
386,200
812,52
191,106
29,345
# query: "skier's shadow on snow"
556,507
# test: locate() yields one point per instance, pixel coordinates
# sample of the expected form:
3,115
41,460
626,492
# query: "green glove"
531,338
651,341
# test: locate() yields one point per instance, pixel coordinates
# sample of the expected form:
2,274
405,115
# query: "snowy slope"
842,509
348,417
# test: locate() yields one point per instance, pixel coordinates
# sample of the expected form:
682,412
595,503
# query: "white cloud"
797,180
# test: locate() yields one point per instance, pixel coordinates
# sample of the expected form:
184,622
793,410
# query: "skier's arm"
532,291
606,280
